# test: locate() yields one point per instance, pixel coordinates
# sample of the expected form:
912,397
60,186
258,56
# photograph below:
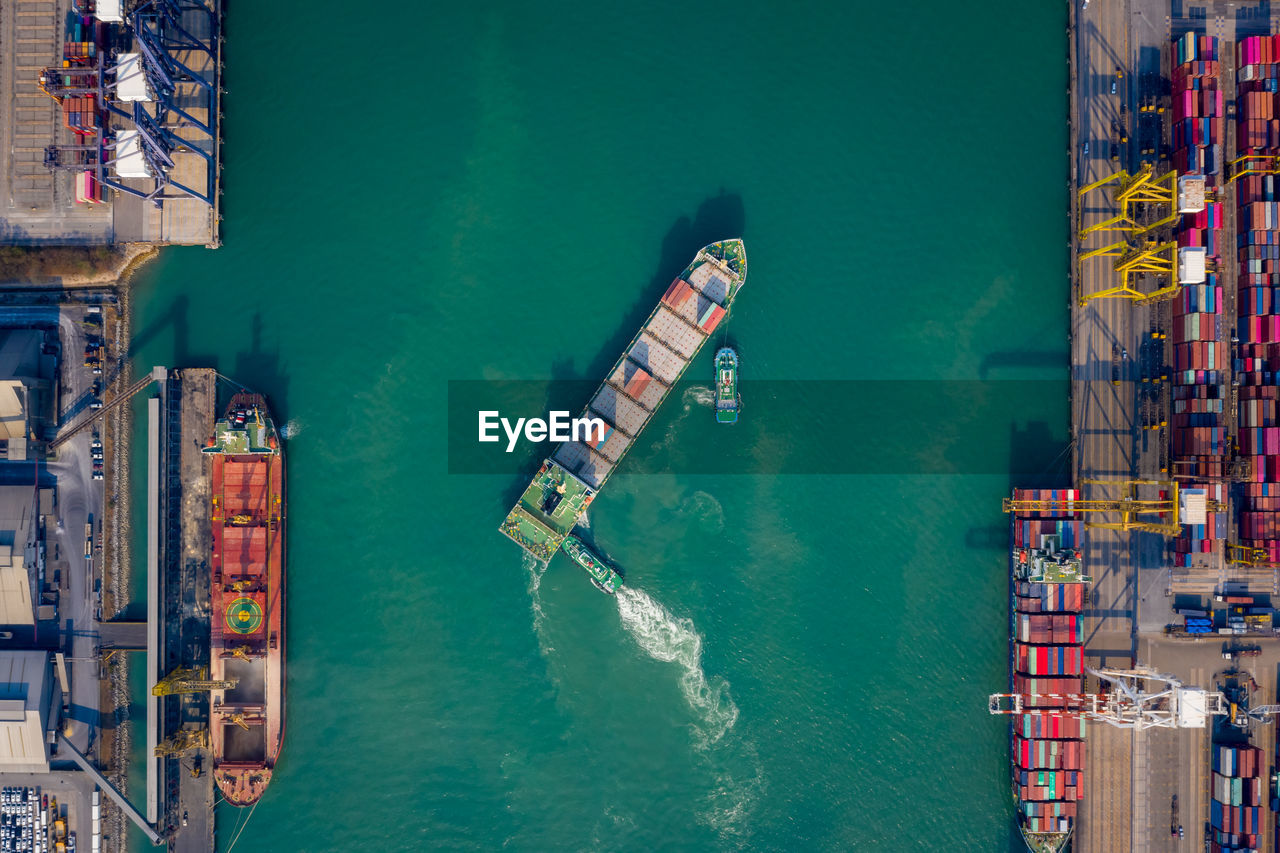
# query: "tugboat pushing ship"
247,627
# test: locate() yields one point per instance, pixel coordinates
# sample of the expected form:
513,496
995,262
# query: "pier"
1119,119
143,164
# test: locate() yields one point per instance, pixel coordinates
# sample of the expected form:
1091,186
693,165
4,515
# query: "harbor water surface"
502,191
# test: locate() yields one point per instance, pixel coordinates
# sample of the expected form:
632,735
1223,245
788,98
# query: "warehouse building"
27,713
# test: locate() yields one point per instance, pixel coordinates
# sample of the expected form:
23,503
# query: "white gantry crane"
1138,698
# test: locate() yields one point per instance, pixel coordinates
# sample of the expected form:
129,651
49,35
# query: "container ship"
566,483
1047,590
246,724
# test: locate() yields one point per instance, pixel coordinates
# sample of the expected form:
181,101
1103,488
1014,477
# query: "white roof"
1194,509
1190,193
131,83
24,712
129,162
1191,265
109,11
1192,705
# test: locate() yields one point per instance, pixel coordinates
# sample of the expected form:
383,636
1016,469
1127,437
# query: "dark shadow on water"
1016,360
262,371
177,317
1037,458
720,217
135,612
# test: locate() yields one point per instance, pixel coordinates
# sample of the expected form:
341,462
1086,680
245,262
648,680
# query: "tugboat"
604,576
728,402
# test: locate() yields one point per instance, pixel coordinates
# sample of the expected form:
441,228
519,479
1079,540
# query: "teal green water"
494,193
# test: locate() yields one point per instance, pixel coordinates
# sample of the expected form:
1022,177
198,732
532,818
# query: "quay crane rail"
1138,699
188,680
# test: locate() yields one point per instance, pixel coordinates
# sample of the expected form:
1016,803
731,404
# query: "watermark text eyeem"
558,427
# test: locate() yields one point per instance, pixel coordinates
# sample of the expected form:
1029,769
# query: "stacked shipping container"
1235,810
1199,120
1258,245
80,114
1198,438
1047,662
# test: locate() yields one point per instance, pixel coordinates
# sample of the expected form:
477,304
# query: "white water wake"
698,395
536,570
673,640
291,429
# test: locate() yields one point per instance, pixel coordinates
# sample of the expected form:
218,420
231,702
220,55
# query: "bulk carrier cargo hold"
1046,660
566,483
246,724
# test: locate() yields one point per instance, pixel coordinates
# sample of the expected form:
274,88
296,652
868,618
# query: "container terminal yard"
1162,733
110,122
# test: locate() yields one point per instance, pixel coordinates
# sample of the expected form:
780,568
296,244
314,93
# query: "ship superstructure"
247,599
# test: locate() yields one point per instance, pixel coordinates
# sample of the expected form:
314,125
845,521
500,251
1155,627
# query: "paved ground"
1131,779
189,502
37,206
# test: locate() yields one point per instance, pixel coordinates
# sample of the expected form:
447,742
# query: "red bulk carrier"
247,643
1047,590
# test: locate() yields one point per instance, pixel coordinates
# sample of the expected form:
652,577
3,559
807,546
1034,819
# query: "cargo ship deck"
657,356
247,630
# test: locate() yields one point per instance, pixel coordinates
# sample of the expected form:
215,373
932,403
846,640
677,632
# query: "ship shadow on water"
262,371
718,218
1037,460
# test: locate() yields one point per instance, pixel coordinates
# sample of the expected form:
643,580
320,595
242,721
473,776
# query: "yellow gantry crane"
1253,164
1245,555
1141,188
1158,515
186,680
1171,194
183,740
1150,258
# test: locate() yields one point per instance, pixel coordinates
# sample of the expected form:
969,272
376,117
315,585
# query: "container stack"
1257,81
80,114
1235,810
1199,120
1047,664
88,190
1257,359
1200,358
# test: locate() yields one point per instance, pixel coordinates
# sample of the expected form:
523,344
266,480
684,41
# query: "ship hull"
247,643
602,576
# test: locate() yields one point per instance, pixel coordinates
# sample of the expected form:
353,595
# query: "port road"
1106,432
